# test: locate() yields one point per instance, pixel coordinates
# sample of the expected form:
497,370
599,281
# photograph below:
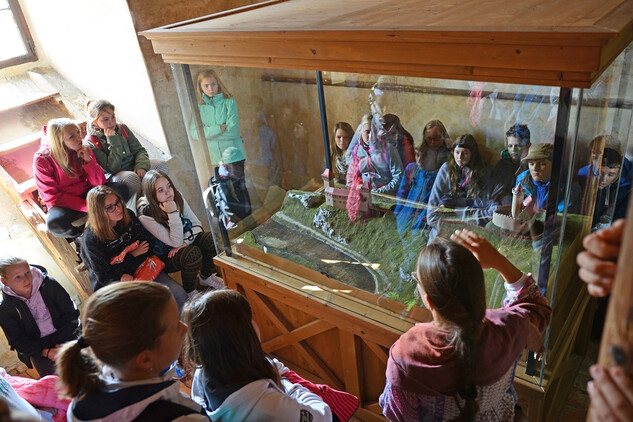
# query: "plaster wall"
286,97
93,45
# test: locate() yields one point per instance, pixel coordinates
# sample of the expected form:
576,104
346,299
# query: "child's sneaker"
213,281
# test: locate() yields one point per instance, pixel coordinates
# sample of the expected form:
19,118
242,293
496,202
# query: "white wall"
93,45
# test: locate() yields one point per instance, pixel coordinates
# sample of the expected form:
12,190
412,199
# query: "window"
17,44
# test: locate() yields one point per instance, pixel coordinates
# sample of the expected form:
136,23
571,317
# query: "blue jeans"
176,289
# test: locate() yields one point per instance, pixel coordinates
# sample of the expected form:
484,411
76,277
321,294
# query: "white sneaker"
213,281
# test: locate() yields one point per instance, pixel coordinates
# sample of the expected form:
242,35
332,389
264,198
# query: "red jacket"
57,189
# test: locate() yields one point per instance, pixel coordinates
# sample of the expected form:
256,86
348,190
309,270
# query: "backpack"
97,143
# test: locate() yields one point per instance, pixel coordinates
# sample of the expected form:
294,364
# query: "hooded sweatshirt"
260,400
215,112
423,371
378,164
127,400
45,320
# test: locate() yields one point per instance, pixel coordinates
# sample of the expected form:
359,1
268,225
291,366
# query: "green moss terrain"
389,256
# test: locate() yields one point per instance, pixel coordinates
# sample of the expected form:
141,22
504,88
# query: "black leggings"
193,259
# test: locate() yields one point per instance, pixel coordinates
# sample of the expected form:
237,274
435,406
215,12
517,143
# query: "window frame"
30,56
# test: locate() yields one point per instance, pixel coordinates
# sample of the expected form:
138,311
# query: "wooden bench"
16,177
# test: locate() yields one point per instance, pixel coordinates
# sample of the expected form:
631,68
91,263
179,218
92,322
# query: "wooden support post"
616,347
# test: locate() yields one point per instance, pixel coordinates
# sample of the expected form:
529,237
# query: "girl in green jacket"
221,125
117,150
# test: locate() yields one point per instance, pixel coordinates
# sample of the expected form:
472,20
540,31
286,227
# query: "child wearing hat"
535,180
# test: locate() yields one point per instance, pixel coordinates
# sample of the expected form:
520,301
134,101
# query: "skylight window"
17,45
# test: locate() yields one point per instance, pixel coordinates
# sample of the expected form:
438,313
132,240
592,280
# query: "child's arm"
232,118
487,255
47,186
18,338
172,235
93,170
112,160
68,313
97,257
441,186
141,157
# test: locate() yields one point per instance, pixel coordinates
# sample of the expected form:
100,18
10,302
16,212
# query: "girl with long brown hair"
180,241
462,184
235,380
460,366
112,229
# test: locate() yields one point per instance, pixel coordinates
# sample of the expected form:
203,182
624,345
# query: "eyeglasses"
112,208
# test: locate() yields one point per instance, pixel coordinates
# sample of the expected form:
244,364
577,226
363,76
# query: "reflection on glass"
426,157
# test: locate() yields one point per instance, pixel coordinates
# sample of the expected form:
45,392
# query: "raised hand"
109,132
486,254
84,154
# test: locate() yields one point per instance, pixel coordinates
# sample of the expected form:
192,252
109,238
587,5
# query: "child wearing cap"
535,180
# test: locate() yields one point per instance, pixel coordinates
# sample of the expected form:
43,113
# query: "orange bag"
149,269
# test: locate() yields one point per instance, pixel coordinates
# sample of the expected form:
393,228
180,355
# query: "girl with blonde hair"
65,169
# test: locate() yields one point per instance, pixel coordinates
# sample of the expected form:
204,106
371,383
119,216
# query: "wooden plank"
57,247
420,53
616,347
378,351
302,348
298,334
333,307
375,410
352,366
7,106
401,14
488,40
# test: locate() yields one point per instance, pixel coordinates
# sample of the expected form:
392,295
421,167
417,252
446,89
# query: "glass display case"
325,184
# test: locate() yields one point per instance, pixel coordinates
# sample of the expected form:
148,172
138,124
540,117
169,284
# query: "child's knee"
130,179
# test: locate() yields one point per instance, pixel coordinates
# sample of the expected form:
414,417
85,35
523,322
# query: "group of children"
454,175
121,362
135,335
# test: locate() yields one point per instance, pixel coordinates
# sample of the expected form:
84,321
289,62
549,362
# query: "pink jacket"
40,393
57,189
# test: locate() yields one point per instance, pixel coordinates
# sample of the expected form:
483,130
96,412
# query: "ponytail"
453,280
465,347
120,321
78,370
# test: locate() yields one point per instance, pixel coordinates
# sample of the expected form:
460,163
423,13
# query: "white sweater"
173,235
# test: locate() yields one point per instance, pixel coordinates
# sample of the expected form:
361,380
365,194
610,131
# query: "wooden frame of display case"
340,338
